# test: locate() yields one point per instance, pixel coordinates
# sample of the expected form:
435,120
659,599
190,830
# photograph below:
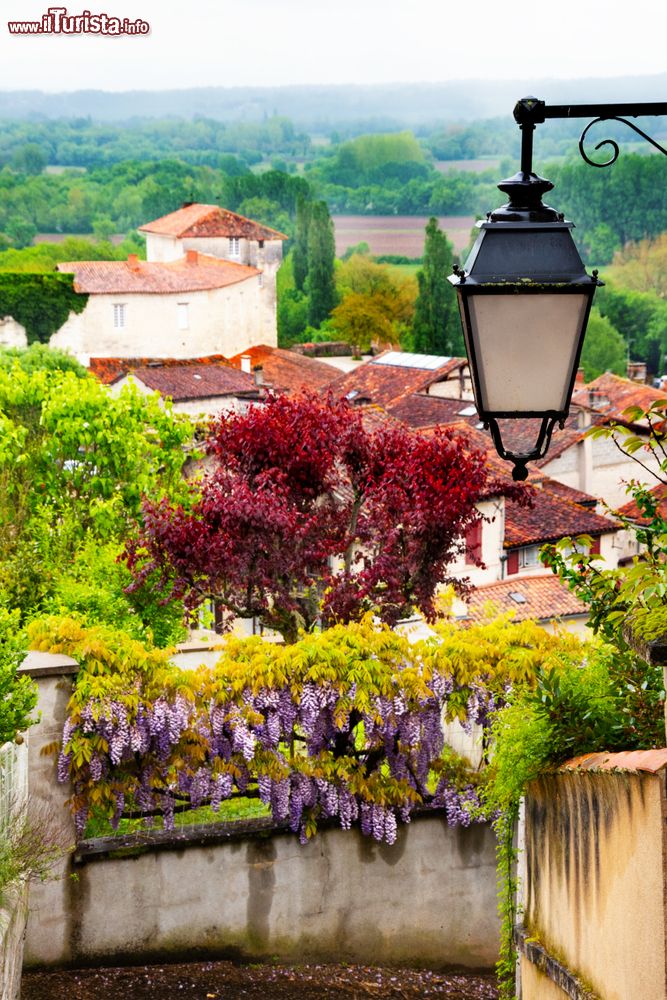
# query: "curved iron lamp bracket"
520,462
612,142
530,111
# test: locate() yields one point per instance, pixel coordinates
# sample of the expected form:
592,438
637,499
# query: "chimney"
133,261
258,372
637,371
192,256
246,363
579,378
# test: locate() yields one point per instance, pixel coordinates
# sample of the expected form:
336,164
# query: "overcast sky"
270,42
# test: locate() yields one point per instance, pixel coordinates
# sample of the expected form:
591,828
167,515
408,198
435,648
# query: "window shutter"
512,562
473,542
595,547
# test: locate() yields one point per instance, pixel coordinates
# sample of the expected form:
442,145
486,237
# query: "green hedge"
39,302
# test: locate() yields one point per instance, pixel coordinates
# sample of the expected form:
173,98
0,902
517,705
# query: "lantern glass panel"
526,347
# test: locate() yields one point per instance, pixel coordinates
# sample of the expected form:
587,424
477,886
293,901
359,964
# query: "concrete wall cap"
37,664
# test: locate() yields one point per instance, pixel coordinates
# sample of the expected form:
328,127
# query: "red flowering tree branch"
306,513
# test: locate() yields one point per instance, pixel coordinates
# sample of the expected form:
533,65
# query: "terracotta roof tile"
109,370
124,277
611,394
650,761
567,492
209,220
538,597
186,381
631,510
549,518
420,410
287,371
377,381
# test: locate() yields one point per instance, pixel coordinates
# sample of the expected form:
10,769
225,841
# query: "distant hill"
327,106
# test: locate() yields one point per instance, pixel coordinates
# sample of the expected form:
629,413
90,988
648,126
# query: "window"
119,315
182,315
529,556
234,246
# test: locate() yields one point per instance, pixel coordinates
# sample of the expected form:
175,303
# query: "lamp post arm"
529,112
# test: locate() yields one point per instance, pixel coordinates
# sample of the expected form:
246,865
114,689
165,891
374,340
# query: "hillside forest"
79,188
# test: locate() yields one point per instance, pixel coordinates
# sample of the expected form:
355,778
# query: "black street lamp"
524,294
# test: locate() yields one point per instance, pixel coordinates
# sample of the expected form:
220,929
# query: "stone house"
208,286
217,232
195,305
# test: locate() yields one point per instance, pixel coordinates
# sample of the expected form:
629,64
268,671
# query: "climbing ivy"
39,302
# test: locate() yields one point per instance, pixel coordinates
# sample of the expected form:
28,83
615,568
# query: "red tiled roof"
420,410
631,510
182,382
650,761
378,382
209,220
109,370
544,598
565,492
549,518
611,394
288,371
123,277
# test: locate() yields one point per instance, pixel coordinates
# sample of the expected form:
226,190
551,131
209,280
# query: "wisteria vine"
344,726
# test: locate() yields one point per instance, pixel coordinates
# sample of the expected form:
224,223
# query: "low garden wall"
254,891
595,880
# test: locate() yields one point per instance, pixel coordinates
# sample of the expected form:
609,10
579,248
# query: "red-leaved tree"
306,515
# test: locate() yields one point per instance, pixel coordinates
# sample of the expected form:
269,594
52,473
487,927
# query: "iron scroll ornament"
612,142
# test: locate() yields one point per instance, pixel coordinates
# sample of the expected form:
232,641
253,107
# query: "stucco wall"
12,334
267,258
597,467
12,928
493,532
220,321
427,900
595,880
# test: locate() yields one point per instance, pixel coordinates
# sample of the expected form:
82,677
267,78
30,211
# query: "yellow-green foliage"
497,653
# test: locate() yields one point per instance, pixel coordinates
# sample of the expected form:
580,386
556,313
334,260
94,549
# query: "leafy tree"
642,266
436,328
29,159
601,243
20,231
306,513
604,349
640,318
321,256
362,320
376,305
300,250
75,461
361,249
18,695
